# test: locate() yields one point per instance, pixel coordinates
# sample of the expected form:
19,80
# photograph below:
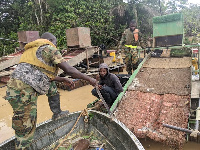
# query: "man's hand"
93,82
65,80
75,73
100,87
97,77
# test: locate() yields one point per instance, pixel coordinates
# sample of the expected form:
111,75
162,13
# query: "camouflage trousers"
131,60
23,100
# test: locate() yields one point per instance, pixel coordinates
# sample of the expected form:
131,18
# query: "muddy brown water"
74,100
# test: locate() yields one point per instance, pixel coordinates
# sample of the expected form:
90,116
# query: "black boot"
54,103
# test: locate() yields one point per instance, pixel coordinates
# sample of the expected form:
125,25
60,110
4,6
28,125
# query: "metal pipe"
179,129
170,47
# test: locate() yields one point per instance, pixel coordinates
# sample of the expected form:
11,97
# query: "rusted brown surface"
144,113
164,81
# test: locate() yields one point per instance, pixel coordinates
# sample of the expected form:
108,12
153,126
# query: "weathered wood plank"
195,89
80,57
9,63
5,73
72,62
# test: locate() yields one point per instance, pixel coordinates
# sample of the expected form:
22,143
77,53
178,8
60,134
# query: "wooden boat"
94,125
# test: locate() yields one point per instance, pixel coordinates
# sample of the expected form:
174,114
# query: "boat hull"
115,134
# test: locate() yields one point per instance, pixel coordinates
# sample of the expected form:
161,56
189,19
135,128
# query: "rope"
83,113
104,102
101,146
194,133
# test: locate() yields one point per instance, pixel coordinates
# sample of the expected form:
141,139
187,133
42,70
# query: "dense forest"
106,18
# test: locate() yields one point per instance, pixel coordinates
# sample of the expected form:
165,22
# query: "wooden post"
86,51
78,37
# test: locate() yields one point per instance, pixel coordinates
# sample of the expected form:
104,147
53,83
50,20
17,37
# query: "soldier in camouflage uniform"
129,42
36,75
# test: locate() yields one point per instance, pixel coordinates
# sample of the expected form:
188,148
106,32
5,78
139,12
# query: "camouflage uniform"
24,87
131,54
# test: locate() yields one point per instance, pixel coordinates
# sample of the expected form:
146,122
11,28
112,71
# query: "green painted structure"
168,25
168,30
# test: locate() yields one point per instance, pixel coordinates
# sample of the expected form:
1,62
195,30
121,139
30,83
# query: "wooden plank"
195,88
5,73
9,63
72,62
80,57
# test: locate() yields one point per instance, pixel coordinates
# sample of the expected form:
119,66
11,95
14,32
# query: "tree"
107,19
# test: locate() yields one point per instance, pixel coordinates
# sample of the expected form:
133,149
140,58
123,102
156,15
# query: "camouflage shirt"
34,76
129,39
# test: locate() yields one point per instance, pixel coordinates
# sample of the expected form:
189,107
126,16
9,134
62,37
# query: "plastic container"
112,53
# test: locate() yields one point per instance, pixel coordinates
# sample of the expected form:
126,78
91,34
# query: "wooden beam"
5,73
80,57
9,63
72,62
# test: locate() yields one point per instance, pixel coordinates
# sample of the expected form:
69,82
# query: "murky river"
74,100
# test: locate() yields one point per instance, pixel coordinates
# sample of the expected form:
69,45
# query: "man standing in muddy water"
131,38
36,75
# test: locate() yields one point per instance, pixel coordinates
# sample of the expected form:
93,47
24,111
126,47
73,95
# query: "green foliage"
192,20
106,19
167,18
180,52
89,13
91,116
174,6
8,46
86,136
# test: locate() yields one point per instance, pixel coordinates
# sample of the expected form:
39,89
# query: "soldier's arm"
57,59
75,73
63,79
